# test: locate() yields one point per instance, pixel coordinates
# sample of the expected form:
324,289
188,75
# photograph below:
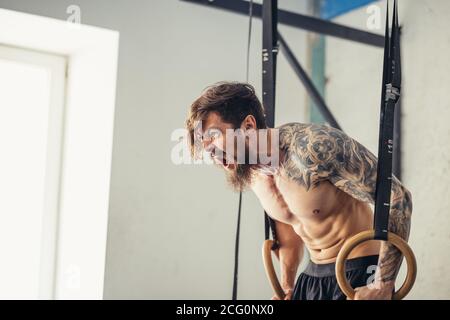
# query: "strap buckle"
392,93
266,52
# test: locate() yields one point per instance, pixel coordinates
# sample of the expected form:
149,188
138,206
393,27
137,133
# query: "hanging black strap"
238,224
269,68
389,97
236,250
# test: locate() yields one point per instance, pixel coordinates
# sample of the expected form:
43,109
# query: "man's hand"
288,293
378,291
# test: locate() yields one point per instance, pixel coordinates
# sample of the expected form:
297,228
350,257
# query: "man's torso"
320,213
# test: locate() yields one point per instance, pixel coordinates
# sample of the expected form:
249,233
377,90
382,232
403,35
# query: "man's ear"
249,123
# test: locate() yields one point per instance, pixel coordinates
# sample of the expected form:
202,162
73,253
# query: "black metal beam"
298,20
269,59
307,82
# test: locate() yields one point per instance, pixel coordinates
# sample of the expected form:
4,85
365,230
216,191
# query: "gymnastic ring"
270,270
361,237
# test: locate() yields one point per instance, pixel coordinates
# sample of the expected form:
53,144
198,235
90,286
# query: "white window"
31,108
57,97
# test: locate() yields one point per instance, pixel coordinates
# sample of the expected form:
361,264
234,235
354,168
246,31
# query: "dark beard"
240,178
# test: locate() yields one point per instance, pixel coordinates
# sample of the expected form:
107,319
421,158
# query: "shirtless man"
319,192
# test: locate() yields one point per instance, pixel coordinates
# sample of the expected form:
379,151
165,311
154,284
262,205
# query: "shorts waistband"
328,269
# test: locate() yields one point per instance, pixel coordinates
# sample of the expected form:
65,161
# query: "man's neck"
268,153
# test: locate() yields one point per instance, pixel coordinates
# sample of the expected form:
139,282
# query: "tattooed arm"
331,154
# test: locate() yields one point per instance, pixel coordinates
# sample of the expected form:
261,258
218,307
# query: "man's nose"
208,145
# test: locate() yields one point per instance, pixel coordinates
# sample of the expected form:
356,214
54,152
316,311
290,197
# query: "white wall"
353,93
171,228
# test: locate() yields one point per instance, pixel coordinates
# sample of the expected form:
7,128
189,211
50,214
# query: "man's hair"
232,101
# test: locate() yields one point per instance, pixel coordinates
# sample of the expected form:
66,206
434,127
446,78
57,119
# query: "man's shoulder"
307,131
301,126
314,146
296,126
291,131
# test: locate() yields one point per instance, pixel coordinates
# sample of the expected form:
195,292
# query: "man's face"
226,153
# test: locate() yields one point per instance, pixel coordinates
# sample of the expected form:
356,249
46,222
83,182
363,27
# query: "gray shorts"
318,281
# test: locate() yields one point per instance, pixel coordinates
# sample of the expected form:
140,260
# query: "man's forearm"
290,259
399,223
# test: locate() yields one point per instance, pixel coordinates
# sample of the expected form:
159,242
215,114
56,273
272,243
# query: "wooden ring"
361,237
270,270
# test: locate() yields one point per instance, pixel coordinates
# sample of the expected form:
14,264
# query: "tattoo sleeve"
323,152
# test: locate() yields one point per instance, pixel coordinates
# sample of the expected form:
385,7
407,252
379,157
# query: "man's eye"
213,134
